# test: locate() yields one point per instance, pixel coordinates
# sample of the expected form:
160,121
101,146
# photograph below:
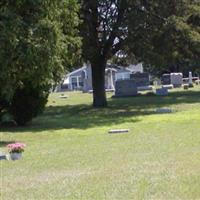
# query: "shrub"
27,103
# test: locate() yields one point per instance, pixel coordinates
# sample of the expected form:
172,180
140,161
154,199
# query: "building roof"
76,71
114,68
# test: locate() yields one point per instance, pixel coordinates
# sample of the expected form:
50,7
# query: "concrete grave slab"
116,131
145,88
163,110
169,87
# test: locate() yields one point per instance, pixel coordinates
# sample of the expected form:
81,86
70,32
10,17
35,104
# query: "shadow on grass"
120,110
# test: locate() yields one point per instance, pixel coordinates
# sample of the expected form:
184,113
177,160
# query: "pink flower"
16,147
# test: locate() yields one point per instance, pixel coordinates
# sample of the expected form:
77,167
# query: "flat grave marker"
117,131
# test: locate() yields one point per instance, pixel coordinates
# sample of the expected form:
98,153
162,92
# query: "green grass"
70,154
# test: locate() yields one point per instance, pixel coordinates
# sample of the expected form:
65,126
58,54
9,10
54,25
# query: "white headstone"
176,79
190,78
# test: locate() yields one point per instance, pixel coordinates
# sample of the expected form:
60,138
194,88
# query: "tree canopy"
156,32
177,41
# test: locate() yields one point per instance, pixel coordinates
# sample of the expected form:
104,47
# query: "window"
76,82
80,81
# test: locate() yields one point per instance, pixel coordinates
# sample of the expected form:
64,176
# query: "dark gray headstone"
166,79
3,157
162,92
125,88
141,79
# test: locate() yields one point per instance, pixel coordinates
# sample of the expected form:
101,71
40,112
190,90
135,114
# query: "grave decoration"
15,150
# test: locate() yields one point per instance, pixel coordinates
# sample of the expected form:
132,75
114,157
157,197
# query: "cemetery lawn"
70,155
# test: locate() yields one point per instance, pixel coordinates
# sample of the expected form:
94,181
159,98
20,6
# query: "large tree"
134,27
38,39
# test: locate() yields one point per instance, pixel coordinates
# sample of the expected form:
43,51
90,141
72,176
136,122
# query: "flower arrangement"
16,147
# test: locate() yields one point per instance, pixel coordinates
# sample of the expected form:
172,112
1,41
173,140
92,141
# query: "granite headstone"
125,88
177,79
162,92
141,79
166,79
3,156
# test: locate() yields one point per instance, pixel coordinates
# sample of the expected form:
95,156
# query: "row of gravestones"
175,79
130,86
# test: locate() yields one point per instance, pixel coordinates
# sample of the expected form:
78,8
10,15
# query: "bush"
27,103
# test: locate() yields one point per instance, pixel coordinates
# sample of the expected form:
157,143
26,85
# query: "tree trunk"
98,84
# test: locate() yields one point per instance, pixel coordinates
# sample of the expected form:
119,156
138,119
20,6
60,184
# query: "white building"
81,79
124,73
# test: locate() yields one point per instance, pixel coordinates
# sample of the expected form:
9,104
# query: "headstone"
145,88
168,86
114,131
190,80
63,96
3,157
141,79
163,110
157,82
125,88
185,86
166,79
162,92
197,82
177,79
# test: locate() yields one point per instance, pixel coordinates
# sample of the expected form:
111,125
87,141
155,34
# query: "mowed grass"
70,154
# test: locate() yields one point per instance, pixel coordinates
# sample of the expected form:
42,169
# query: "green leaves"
165,34
36,37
